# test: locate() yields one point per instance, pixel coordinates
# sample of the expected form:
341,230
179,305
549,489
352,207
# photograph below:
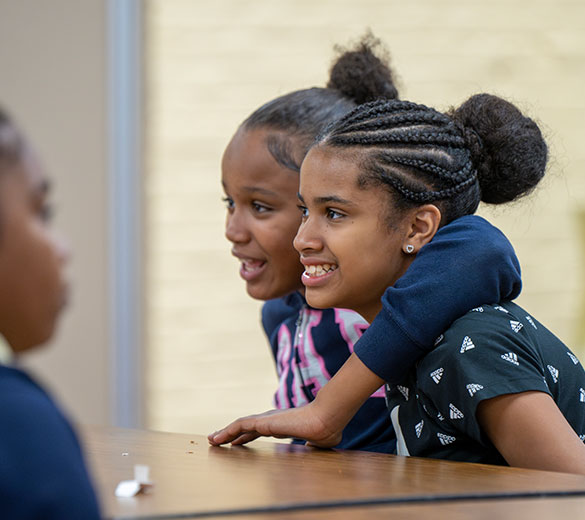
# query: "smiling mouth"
252,265
314,271
251,269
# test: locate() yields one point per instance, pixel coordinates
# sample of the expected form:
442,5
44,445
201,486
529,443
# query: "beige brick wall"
211,63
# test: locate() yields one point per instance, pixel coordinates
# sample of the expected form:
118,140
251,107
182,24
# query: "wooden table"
515,509
193,479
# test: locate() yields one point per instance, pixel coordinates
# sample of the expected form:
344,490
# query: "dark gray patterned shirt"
493,350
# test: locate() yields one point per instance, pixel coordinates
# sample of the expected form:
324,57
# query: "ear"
423,223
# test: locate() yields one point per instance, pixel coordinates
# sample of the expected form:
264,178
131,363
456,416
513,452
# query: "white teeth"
319,270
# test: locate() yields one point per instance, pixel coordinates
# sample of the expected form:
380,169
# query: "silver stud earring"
409,248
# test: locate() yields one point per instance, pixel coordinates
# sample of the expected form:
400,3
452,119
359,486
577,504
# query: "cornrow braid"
409,136
458,176
484,150
428,196
418,153
364,112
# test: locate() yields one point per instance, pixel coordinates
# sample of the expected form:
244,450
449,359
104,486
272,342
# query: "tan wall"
211,63
53,81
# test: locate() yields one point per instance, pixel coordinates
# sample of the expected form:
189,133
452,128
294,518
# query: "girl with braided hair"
260,170
375,189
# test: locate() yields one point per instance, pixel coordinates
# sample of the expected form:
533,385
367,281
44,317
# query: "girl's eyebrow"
263,191
327,199
255,189
332,198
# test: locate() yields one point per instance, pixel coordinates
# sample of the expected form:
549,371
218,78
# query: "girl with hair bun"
375,190
260,170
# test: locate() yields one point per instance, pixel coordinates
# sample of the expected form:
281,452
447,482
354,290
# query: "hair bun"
507,147
363,73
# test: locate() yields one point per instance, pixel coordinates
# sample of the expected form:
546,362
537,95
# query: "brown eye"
333,214
229,203
258,207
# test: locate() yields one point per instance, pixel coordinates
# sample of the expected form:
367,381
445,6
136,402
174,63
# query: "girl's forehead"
329,167
248,161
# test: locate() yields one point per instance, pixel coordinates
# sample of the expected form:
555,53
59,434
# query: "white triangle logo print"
510,357
446,439
437,375
553,372
516,325
403,390
455,413
573,358
466,345
418,429
473,388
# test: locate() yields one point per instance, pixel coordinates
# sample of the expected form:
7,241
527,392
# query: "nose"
236,230
308,238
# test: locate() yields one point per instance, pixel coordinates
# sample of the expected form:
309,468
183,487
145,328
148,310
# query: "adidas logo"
437,375
531,321
473,388
500,308
582,395
446,439
511,357
516,325
418,429
403,390
573,358
454,413
553,372
440,417
477,309
439,339
466,345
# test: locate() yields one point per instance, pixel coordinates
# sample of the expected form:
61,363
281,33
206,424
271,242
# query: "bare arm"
530,431
321,422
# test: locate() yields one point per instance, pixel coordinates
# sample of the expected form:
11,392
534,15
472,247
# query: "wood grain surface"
192,478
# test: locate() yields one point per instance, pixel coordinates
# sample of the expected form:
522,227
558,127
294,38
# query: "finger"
245,438
225,435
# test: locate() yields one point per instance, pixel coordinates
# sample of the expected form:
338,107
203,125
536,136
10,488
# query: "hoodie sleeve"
469,262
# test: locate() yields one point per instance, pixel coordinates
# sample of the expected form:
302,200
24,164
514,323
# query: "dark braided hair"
484,150
358,75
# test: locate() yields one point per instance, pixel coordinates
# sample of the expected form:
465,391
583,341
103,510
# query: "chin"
265,294
257,293
319,302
